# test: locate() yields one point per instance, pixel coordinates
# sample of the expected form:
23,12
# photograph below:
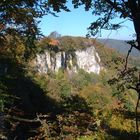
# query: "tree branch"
20,119
133,7
126,60
107,19
136,113
139,4
118,9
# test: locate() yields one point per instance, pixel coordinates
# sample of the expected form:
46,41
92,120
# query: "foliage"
118,121
68,125
98,95
128,78
24,15
76,106
70,116
107,10
64,43
134,62
73,43
82,79
20,17
111,59
14,49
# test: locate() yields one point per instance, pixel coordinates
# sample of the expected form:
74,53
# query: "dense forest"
56,105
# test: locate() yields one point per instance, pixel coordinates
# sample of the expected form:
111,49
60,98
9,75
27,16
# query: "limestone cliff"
87,59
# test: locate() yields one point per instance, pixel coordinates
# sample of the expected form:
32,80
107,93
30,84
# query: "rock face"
87,59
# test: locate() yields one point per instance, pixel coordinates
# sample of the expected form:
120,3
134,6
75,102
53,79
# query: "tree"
20,17
110,9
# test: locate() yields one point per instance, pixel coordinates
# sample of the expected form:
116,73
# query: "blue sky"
76,22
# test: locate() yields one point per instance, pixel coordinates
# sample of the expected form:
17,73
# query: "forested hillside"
60,106
121,46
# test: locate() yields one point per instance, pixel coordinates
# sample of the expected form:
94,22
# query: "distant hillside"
120,45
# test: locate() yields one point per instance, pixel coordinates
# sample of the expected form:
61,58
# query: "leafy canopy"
110,9
20,16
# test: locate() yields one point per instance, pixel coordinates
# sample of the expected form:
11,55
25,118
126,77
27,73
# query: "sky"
76,22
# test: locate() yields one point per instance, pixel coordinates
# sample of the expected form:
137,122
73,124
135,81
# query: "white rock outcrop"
86,59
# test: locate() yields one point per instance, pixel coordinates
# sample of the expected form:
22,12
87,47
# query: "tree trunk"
137,117
135,16
136,22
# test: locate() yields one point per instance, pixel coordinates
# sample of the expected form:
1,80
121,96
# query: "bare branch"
136,113
126,60
20,119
